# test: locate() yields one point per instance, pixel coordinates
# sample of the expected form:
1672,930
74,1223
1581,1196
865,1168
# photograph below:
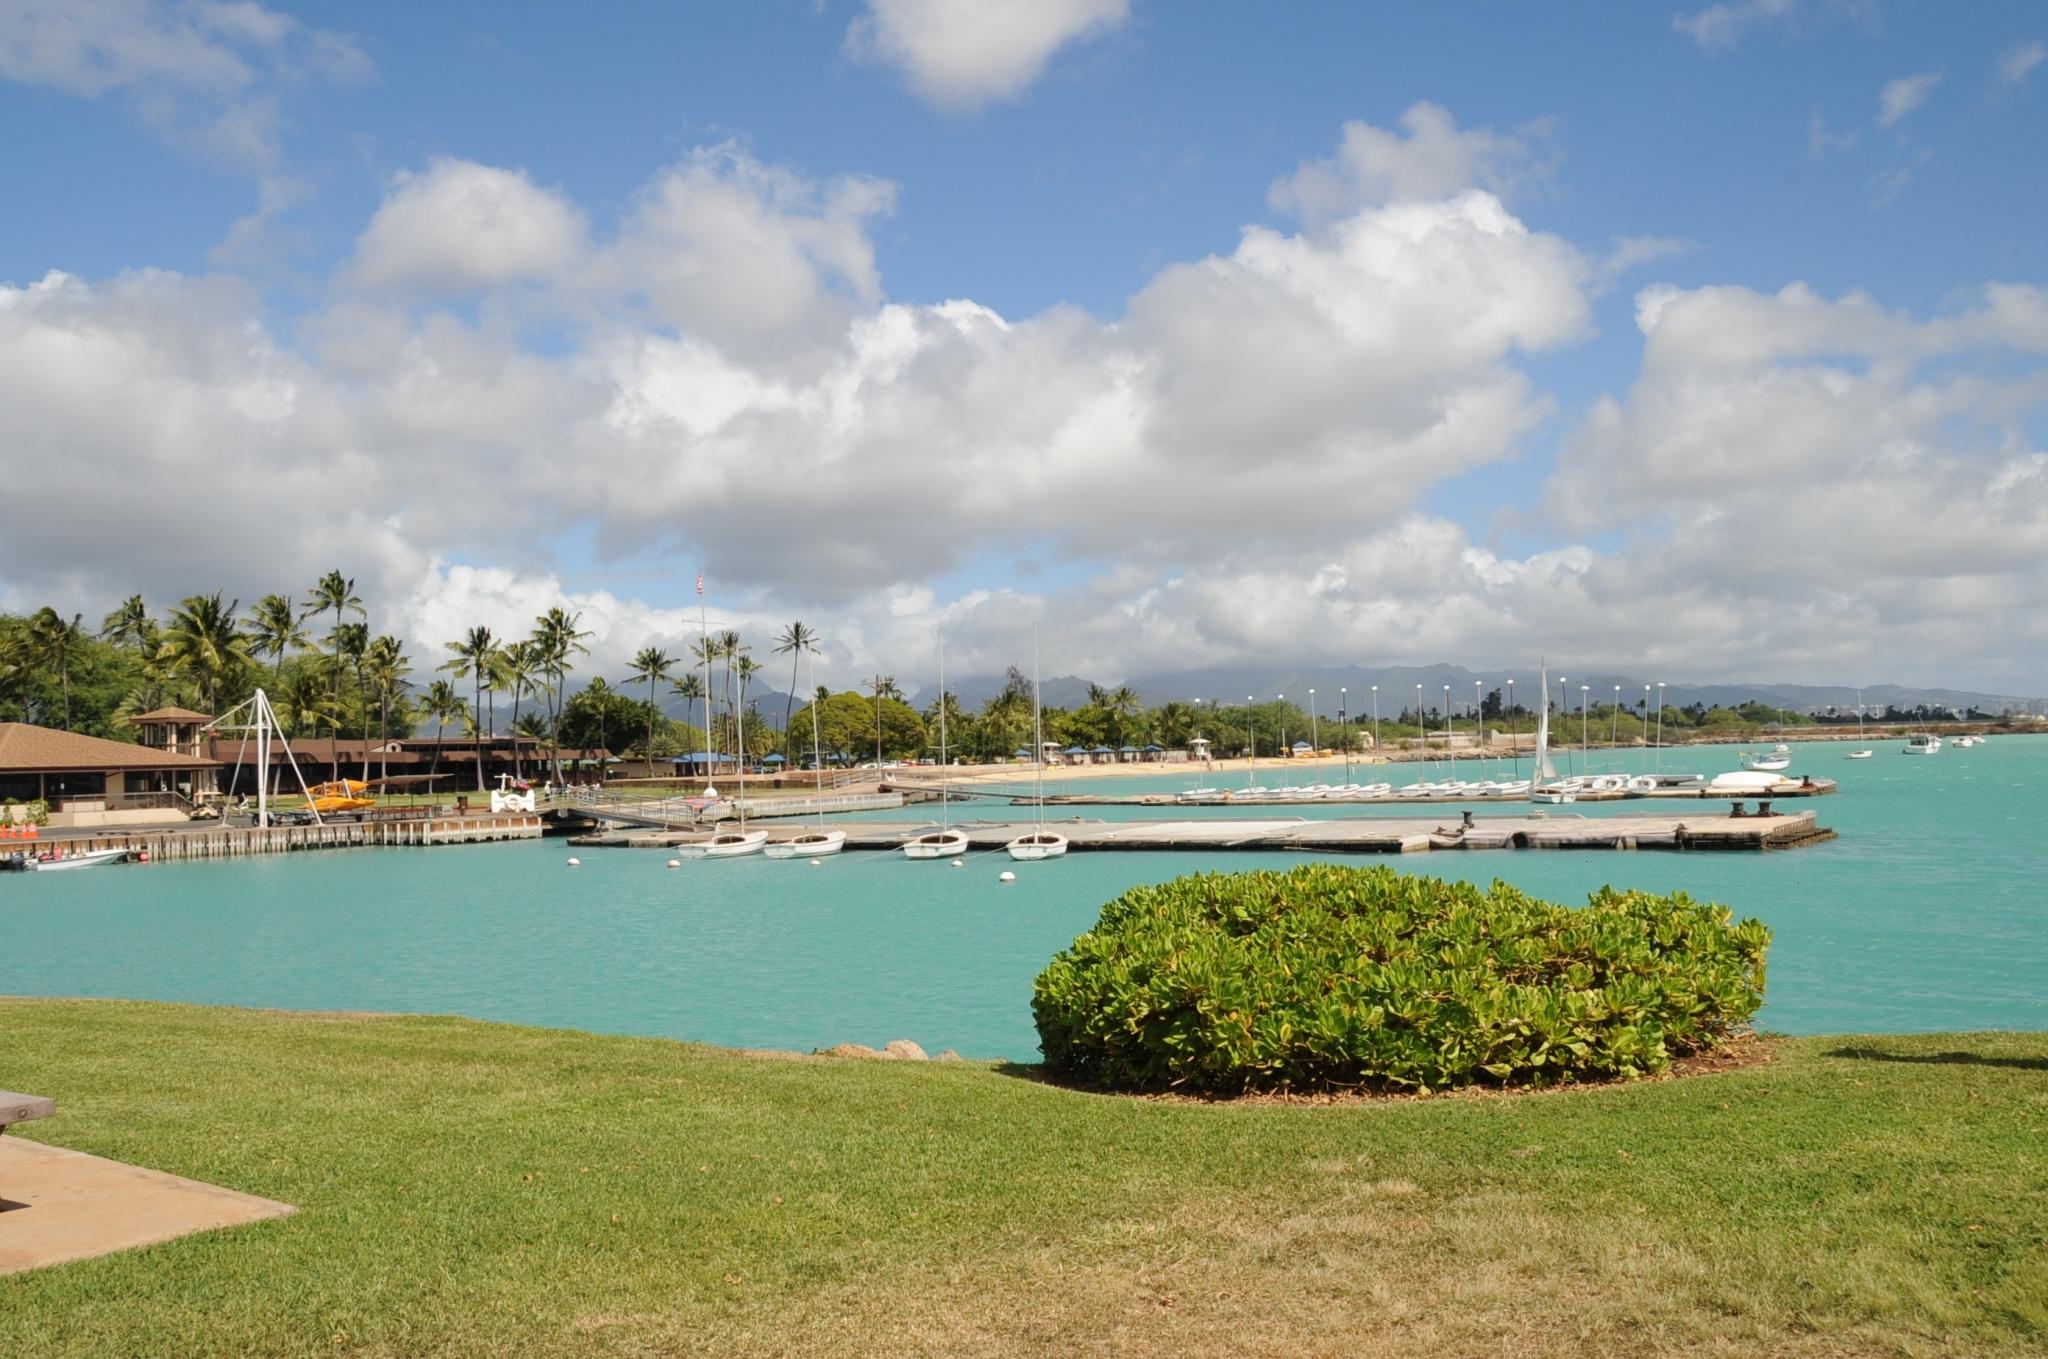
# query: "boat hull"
97,858
808,846
733,845
1030,848
938,845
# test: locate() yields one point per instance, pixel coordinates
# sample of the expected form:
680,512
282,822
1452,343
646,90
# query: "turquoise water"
1926,914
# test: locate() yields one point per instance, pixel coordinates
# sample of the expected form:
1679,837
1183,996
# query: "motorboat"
1966,742
52,860
1861,754
938,844
1923,743
1038,844
726,845
809,845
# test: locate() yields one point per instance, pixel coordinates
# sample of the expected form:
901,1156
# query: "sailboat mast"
817,755
739,742
1038,727
945,805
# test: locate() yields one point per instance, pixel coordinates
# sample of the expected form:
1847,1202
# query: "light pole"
1376,719
1344,720
1314,741
1449,754
1585,732
1280,750
1421,724
1251,742
1614,725
1478,703
1514,743
1564,707
1646,728
1659,767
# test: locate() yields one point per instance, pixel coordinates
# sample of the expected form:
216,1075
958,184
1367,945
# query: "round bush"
1326,976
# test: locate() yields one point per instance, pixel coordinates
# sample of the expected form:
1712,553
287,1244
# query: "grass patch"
476,1189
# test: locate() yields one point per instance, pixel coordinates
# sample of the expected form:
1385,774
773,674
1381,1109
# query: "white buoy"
959,863
817,863
575,863
1007,876
675,863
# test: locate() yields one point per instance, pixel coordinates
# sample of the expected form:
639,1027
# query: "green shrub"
1326,976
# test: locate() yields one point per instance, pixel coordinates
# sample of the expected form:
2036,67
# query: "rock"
903,1050
848,1050
947,1056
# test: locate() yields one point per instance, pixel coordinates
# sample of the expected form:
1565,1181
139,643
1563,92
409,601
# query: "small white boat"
1861,754
1039,844
85,858
1745,783
811,845
725,845
938,844
1769,761
1966,742
1925,743
1554,795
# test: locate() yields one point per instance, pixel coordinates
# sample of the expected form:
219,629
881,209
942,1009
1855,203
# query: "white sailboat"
1542,772
820,842
945,842
742,842
1040,843
1865,753
1768,761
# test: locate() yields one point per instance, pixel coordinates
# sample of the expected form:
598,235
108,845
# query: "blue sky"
1745,146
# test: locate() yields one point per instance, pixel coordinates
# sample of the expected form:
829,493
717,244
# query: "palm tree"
352,649
52,641
884,686
689,689
794,640
556,638
337,592
130,625
1122,703
651,664
388,666
444,705
599,695
514,669
275,626
202,643
472,661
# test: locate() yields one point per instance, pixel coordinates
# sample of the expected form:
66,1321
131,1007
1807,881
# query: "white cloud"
2017,63
963,54
1890,182
1822,141
1630,253
1720,28
1236,465
1900,97
459,227
207,73
1435,159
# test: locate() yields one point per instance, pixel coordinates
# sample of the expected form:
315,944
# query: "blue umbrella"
775,759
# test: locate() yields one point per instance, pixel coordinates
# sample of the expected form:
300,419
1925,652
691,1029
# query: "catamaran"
945,842
820,842
1040,843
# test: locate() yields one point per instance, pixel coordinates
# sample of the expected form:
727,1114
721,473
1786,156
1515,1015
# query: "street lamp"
1375,719
1449,754
1614,723
1314,741
1564,707
1646,728
1514,743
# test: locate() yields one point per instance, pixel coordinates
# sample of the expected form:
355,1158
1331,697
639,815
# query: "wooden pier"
1704,830
171,845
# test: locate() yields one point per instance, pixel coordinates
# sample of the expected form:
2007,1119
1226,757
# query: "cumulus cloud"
209,73
1900,97
1721,28
963,54
1236,464
458,227
1434,159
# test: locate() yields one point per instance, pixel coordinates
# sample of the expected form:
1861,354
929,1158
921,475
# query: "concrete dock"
1703,830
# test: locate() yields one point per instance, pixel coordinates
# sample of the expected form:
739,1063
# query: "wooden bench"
16,1108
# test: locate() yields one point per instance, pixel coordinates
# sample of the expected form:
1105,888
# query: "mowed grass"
480,1189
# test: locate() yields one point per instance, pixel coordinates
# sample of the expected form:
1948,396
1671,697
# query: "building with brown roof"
91,781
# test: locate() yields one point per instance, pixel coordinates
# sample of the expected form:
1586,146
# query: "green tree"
651,664
202,644
515,668
690,689
338,593
793,641
441,703
847,724
54,642
388,666
471,660
557,637
275,627
130,626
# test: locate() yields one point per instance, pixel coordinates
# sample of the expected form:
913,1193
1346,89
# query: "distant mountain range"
1230,684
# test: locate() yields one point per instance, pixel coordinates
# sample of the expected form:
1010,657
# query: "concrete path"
58,1205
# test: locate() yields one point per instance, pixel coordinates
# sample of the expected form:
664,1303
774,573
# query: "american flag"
700,582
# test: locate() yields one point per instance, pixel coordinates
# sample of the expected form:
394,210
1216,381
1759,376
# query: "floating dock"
1287,797
172,845
1347,835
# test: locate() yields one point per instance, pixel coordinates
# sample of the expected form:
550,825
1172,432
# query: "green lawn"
472,1188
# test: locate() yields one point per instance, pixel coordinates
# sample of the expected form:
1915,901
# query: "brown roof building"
95,774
